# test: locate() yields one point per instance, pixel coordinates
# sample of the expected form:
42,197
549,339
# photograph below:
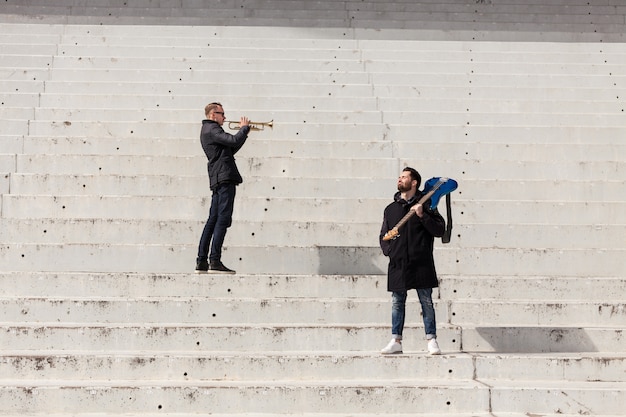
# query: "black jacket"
411,262
220,149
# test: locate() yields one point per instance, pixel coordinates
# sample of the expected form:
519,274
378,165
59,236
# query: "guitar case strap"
448,233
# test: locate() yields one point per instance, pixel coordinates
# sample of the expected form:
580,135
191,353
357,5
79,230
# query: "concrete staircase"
104,194
179,344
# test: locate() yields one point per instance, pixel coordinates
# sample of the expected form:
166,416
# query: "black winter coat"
220,149
411,262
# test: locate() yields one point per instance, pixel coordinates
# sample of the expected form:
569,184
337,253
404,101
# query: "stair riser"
235,367
102,285
362,398
211,311
542,339
346,260
313,311
219,338
323,366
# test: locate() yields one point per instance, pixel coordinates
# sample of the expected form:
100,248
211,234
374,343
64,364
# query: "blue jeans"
220,219
428,312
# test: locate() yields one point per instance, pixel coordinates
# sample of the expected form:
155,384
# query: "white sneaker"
433,347
392,347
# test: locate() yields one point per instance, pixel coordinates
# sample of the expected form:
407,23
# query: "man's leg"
207,234
224,210
428,314
398,307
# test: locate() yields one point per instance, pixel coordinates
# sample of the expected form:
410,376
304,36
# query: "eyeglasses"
219,112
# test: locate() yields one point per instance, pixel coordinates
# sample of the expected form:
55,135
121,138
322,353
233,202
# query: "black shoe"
202,267
217,267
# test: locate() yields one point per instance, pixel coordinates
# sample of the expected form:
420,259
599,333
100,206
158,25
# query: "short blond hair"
210,107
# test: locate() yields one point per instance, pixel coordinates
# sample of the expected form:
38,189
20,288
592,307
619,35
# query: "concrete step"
550,367
397,114
525,67
211,37
294,148
541,339
297,167
174,101
69,284
592,398
95,232
442,25
200,75
33,34
8,47
485,108
183,367
233,366
299,414
280,89
110,396
121,337
156,130
395,108
16,114
409,105
566,289
260,209
427,16
253,338
271,259
7,163
287,167
196,185
410,85
547,312
558,117
23,74
285,147
495,133
536,288
13,99
462,53
490,92
262,63
26,61
318,310
255,147
166,185
211,310
185,232
26,86
269,52
298,49
331,396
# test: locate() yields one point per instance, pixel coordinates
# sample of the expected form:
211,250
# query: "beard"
403,188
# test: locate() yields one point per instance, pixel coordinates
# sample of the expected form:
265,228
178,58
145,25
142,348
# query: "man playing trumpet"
220,148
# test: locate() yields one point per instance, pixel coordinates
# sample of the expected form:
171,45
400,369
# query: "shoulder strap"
448,233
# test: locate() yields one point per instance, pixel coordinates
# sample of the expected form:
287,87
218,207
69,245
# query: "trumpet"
234,125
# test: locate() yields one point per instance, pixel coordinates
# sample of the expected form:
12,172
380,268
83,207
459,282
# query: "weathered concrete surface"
102,173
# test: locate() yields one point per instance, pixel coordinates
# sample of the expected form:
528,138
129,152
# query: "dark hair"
414,175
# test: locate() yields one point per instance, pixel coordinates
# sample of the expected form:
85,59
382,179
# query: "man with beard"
411,262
